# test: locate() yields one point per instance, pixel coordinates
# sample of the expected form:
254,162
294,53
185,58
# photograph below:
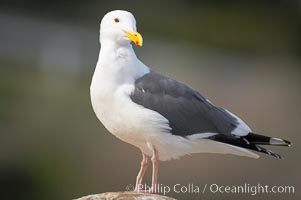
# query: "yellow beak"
135,37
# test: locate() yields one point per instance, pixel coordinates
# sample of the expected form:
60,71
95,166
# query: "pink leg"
144,165
155,160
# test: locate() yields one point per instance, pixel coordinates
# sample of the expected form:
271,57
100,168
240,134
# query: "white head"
119,26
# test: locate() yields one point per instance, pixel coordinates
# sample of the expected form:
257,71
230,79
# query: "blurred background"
242,55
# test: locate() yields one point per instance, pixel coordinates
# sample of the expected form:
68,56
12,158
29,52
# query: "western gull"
161,116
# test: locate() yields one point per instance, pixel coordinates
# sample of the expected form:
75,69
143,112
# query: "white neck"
115,51
117,65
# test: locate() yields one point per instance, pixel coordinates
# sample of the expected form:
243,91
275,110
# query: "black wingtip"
280,142
288,143
245,143
266,140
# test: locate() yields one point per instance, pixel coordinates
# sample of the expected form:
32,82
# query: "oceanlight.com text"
191,188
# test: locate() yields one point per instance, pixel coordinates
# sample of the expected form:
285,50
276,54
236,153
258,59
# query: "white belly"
126,120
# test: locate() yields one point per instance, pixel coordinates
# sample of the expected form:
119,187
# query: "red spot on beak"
137,42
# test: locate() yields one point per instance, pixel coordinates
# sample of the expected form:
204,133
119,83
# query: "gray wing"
187,111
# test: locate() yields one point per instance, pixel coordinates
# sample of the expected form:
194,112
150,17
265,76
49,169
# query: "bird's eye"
116,20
